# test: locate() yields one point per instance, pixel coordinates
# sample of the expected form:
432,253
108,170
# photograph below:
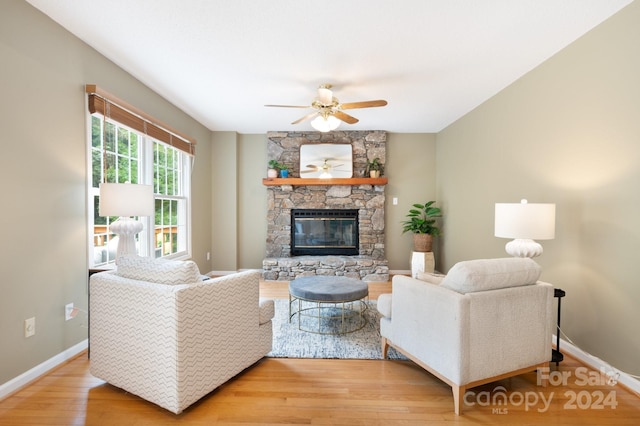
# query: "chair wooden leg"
543,378
458,396
385,347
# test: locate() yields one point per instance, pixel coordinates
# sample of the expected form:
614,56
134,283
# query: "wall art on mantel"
326,160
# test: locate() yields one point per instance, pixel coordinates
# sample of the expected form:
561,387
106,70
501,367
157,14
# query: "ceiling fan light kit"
325,124
329,111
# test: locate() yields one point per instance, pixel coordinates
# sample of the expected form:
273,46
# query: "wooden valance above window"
118,110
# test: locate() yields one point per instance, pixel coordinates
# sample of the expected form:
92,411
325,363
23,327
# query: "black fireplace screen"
324,231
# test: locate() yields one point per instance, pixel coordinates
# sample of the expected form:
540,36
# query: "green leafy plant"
274,164
421,219
374,165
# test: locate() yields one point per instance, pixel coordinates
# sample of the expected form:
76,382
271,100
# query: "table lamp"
126,200
525,222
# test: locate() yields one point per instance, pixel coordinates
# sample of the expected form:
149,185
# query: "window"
119,154
171,204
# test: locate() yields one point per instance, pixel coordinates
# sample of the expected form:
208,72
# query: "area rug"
290,342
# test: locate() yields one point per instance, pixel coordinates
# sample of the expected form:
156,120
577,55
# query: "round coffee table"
328,304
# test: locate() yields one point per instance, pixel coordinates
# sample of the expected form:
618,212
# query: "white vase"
272,173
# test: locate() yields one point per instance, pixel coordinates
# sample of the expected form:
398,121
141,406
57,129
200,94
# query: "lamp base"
126,228
521,247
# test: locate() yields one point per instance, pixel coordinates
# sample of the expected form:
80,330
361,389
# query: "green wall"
44,168
252,201
566,133
411,167
239,206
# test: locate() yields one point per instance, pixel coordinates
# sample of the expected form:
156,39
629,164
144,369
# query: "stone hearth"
370,264
360,267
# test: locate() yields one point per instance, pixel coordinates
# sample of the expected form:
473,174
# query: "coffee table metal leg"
342,314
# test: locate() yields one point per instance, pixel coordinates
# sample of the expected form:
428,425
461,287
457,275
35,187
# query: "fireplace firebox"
324,232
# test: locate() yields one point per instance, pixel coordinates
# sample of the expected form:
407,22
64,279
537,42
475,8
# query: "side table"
422,262
556,355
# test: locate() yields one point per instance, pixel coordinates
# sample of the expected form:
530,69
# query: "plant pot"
284,173
374,173
422,242
272,173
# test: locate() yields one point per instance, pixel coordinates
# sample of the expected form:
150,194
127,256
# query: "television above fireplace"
324,232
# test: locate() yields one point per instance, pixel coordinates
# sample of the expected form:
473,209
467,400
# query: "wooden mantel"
318,181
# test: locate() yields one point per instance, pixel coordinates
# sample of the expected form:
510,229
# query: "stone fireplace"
368,260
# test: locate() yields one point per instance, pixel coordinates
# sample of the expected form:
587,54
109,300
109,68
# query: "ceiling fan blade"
289,106
306,117
312,166
308,171
345,117
337,165
364,104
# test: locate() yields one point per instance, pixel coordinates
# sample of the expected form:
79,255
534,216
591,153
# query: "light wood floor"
322,392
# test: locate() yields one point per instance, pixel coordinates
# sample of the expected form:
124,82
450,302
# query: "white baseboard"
27,377
597,364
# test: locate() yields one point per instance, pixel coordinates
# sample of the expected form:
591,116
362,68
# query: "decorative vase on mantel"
374,168
422,242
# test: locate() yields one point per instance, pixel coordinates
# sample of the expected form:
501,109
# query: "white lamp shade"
126,199
525,221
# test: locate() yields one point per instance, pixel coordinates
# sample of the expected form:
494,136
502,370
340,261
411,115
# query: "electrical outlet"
30,327
69,312
208,255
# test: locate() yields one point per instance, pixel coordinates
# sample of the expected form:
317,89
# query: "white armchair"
487,320
172,342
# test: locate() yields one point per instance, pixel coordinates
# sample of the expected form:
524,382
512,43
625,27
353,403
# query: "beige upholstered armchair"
486,320
157,330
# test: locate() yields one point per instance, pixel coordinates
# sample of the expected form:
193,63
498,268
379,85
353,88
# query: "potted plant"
284,171
422,223
276,168
272,171
374,168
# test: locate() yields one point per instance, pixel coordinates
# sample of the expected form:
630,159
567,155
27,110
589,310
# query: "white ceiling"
432,60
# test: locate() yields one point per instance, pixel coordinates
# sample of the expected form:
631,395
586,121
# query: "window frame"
146,165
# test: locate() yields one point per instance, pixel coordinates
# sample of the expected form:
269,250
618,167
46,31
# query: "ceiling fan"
324,169
329,111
